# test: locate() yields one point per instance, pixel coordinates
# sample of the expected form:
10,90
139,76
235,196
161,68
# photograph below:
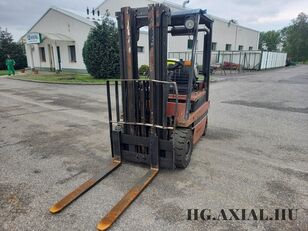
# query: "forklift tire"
183,145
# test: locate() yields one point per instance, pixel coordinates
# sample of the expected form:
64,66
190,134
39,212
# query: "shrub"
144,69
101,50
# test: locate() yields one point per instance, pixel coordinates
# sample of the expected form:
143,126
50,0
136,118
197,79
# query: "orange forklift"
154,121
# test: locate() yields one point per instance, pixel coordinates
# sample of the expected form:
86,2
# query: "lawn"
74,78
63,77
67,78
3,72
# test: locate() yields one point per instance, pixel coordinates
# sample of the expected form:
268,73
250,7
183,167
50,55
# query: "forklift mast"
146,104
157,120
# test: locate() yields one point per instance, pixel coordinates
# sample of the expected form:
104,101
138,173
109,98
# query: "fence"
272,60
245,60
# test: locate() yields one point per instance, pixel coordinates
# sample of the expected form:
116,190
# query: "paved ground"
54,137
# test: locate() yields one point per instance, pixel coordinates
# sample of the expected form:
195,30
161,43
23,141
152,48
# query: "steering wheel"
177,65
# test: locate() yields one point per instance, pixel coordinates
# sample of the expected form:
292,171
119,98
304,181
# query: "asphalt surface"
54,137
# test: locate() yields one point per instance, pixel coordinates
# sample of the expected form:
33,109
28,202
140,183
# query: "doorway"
59,57
51,58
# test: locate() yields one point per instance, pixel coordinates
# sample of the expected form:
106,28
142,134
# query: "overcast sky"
19,15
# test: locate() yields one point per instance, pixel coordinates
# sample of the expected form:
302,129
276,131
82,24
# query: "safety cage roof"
179,17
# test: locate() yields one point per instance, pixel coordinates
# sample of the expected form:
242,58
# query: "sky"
19,15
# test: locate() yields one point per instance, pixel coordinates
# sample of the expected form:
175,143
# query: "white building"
64,33
227,35
62,38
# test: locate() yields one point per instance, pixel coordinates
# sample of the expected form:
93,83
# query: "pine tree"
101,50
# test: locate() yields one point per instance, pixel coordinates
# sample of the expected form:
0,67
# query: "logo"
242,214
34,38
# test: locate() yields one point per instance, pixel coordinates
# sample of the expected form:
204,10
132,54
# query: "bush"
101,50
144,69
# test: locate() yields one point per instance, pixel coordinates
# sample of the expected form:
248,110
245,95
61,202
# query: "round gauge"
189,24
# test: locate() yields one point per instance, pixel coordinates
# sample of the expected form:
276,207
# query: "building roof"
65,12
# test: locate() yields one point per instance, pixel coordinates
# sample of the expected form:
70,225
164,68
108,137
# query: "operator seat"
180,75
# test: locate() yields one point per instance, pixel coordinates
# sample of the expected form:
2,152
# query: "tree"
5,37
295,38
15,50
269,40
101,50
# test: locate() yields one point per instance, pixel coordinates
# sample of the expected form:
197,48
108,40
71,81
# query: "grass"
3,72
63,78
66,78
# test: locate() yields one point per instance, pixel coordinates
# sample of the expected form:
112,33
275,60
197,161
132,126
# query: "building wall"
236,35
143,57
115,6
58,23
223,32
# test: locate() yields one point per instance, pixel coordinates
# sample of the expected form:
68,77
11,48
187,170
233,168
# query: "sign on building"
34,38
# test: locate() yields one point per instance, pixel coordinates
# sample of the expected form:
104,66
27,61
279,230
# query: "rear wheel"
183,145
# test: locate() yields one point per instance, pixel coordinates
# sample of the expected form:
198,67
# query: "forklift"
159,119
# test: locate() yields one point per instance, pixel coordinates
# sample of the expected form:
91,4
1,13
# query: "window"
250,48
228,47
72,53
140,49
42,54
214,45
240,47
189,44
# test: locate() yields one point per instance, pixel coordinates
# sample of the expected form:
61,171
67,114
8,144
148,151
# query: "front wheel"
183,145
